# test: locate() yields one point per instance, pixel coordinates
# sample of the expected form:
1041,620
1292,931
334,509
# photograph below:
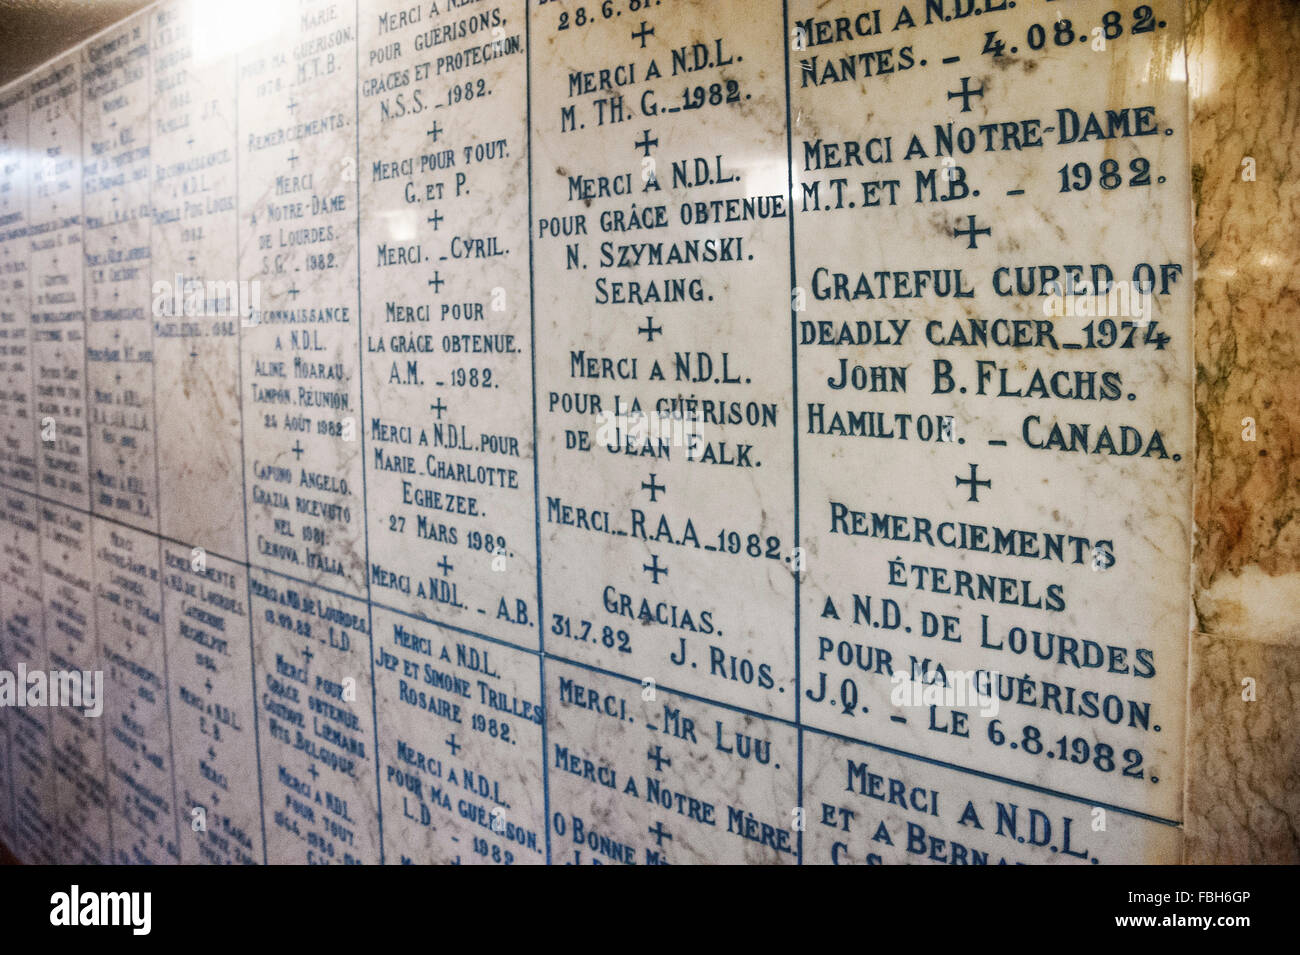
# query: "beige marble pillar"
1243,766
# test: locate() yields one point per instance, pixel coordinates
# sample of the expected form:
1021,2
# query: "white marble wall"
551,432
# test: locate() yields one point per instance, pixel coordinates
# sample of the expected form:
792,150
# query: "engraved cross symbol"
437,282
435,219
654,568
313,770
650,329
966,93
660,833
307,654
292,104
975,484
439,407
642,34
645,142
434,131
444,566
298,449
972,232
208,685
657,756
293,291
293,157
653,487
455,746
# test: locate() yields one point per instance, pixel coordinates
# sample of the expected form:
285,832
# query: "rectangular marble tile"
22,619
315,723
867,806
138,747
10,656
213,712
18,429
57,282
1243,796
460,747
445,306
298,241
212,708
78,755
642,776
664,398
995,469
116,164
199,300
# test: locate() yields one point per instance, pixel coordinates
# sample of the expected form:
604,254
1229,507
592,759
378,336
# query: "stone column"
1243,759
